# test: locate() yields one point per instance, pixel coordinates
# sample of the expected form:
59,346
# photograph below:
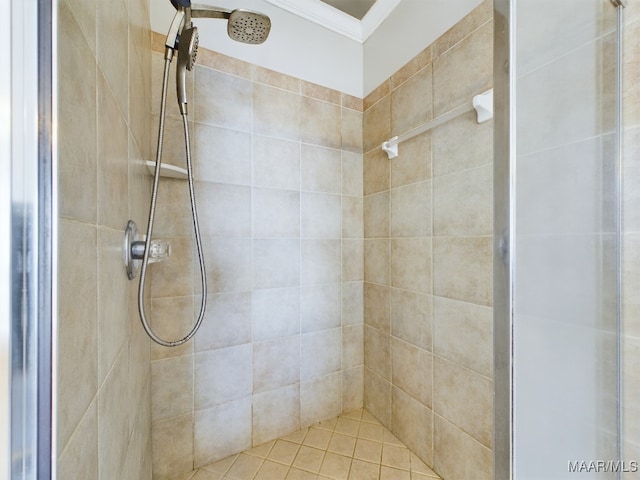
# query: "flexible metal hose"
152,212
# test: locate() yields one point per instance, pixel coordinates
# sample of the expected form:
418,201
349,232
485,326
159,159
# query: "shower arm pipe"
206,11
482,103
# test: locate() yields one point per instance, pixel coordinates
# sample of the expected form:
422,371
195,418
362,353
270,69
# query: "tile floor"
353,446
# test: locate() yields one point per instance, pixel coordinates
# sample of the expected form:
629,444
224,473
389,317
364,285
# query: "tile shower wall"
631,237
278,168
428,221
103,370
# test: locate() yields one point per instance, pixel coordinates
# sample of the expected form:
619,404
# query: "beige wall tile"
77,326
171,387
275,313
321,123
173,217
77,93
352,173
351,130
172,458
411,210
352,388
276,163
376,171
465,399
377,396
631,70
276,413
227,321
79,459
321,169
412,422
457,455
320,353
171,318
140,79
320,399
412,67
377,305
463,203
221,431
377,261
275,213
413,163
276,363
222,376
231,110
277,79
220,155
411,264
320,215
320,262
463,71
478,17
377,124
352,303
228,264
352,260
450,155
112,31
411,103
352,217
112,301
463,333
376,215
113,419
411,317
174,275
276,263
85,13
631,172
412,370
320,307
352,346
463,268
227,212
276,113
377,351
113,171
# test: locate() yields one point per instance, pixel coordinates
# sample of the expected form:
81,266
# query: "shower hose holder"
134,250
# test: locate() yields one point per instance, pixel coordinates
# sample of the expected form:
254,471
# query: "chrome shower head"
187,51
248,27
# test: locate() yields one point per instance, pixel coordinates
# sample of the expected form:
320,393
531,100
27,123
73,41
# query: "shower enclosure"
567,249
558,240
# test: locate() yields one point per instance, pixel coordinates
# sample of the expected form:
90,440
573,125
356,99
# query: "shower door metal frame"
504,230
503,252
29,242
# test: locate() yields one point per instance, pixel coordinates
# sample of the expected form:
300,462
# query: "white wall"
306,50
296,46
411,27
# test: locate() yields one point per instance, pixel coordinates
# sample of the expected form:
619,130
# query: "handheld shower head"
187,51
248,27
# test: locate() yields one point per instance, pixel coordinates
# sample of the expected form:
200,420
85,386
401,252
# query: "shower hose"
152,212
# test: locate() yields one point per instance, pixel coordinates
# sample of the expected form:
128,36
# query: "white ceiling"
316,42
338,19
355,8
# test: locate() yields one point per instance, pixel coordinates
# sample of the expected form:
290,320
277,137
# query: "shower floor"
353,446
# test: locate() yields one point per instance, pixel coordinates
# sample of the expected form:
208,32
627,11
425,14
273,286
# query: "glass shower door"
564,240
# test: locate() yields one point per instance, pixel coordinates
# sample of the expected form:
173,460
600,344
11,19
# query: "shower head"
248,27
187,51
242,25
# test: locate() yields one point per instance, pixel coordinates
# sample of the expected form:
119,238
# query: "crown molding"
338,21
